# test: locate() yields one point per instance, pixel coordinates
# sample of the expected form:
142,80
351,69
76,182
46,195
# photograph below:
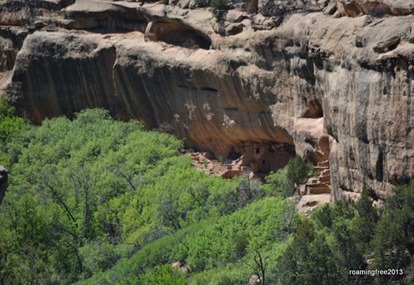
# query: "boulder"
234,29
387,45
184,4
234,16
270,8
254,280
330,8
411,36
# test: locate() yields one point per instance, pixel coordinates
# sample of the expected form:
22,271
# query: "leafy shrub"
10,125
162,275
285,182
202,3
219,8
9,122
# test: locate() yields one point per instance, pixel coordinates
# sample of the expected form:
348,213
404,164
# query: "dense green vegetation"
96,201
218,7
354,236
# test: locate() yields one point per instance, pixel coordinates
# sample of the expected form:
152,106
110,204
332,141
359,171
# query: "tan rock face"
309,203
320,86
25,13
354,8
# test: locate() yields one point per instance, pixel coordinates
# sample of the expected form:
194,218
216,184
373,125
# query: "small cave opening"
264,157
314,110
120,20
373,195
192,89
330,10
209,89
233,154
178,34
273,156
117,26
379,167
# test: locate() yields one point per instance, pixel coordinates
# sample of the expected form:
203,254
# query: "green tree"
219,8
286,181
365,222
298,172
394,236
308,259
277,184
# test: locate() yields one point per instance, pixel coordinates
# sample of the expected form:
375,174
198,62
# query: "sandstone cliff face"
321,84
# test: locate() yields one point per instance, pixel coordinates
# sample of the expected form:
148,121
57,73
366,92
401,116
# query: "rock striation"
328,81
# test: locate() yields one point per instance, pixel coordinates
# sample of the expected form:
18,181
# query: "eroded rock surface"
326,81
354,8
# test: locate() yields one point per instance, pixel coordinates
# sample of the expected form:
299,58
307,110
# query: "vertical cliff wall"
321,84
